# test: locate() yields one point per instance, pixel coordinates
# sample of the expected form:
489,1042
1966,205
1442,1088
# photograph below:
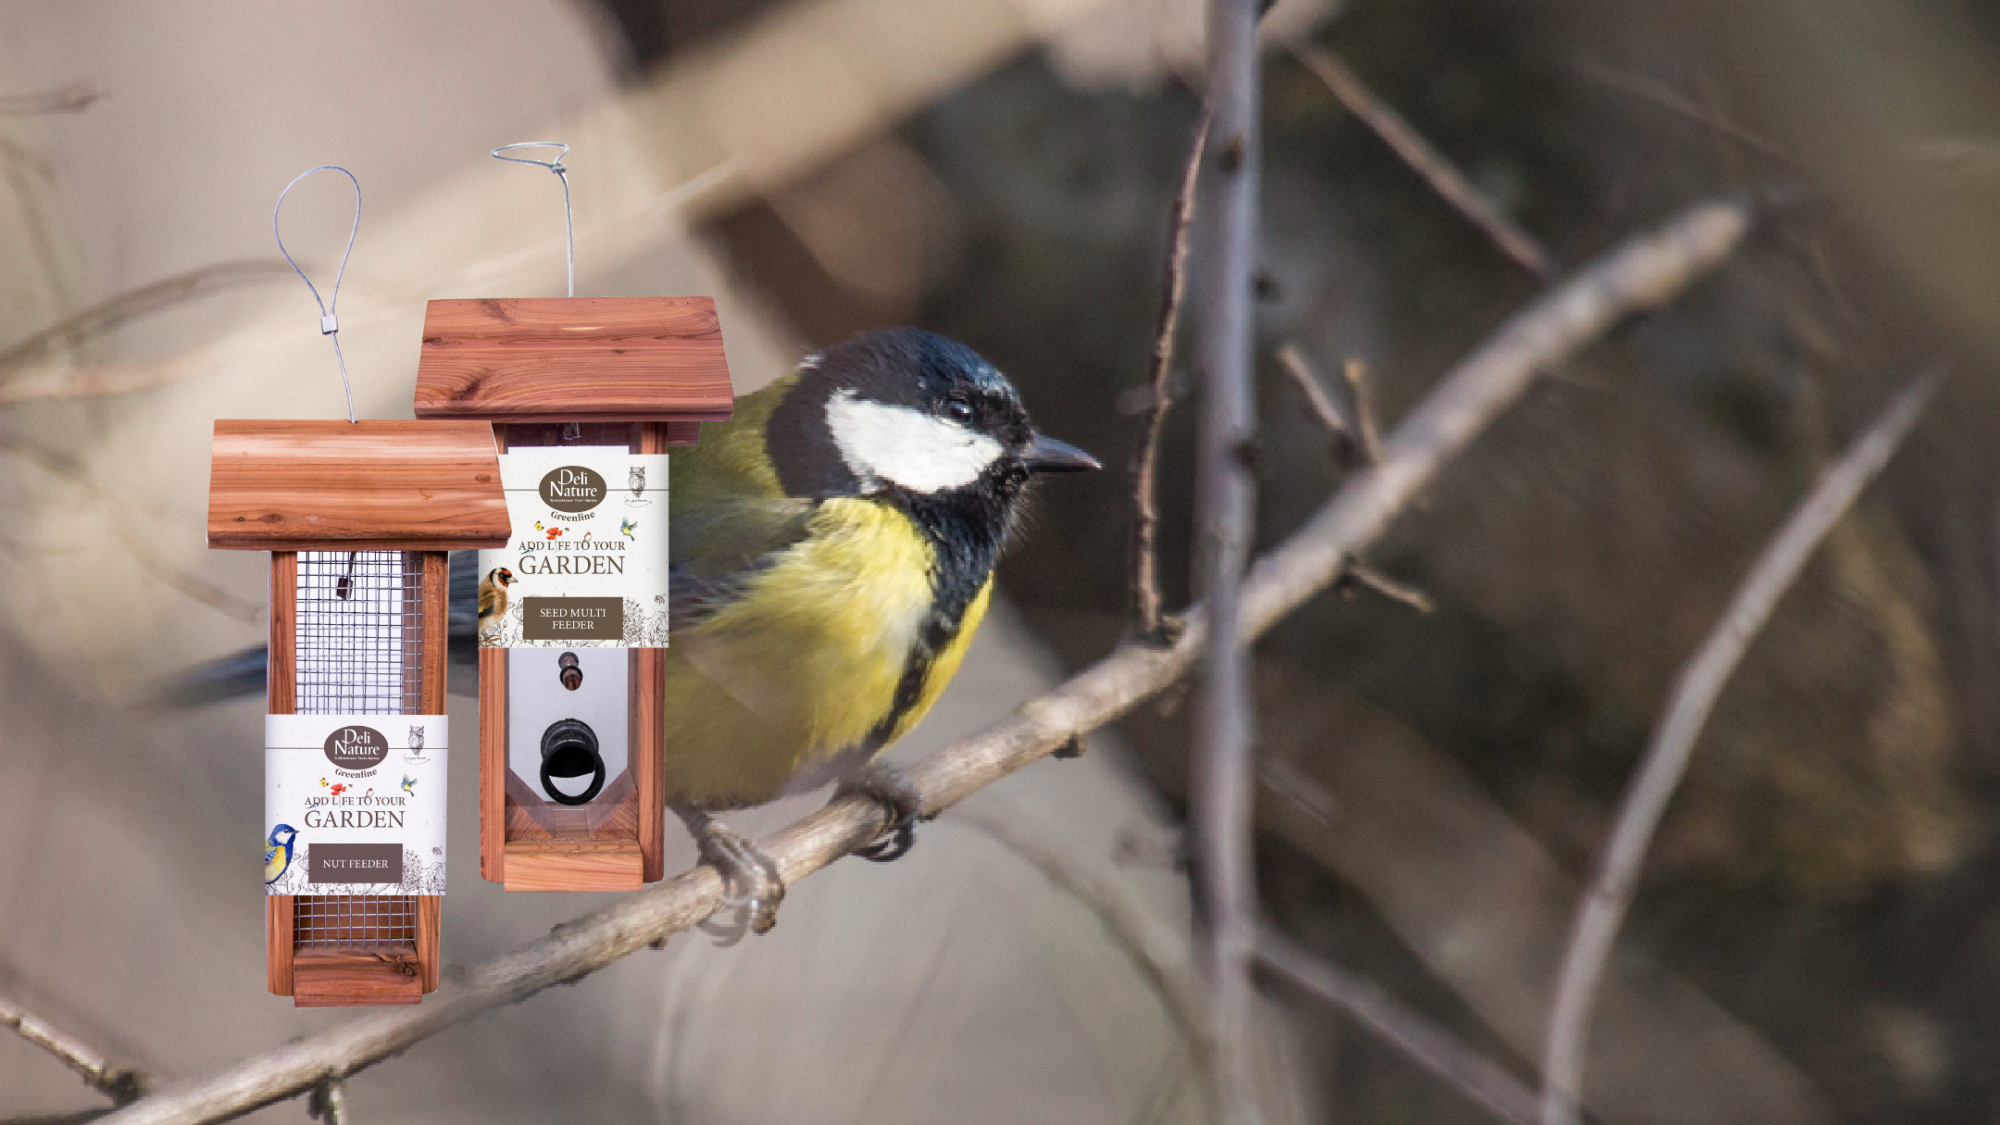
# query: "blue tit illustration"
626,527
410,785
278,852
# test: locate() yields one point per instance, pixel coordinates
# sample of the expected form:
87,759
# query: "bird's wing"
718,545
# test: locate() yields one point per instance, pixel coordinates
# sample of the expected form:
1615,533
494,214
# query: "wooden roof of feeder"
576,359
321,485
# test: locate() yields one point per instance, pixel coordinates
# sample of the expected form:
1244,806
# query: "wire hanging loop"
562,173
329,323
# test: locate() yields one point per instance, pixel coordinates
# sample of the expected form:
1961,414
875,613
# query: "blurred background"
1816,938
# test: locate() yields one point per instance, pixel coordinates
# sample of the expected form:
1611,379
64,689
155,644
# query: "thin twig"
1222,780
1136,933
1409,1031
1361,574
1360,441
1701,680
150,297
1356,374
1299,370
73,97
1437,169
1659,94
1145,462
186,582
1645,272
122,1084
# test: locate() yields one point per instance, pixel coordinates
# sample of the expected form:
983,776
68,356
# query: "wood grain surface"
558,359
567,865
347,977
377,485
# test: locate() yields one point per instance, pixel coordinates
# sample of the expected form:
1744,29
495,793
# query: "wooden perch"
1641,274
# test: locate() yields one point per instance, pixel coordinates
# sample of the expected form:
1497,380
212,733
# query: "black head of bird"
916,420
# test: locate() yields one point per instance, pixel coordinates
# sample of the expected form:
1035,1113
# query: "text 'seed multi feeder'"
358,518
586,395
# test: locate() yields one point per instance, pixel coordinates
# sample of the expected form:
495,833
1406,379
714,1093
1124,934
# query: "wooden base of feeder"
350,976
574,865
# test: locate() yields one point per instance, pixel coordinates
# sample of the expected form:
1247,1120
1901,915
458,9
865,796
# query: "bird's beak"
1047,455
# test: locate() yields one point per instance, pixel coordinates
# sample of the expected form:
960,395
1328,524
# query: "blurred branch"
151,297
1145,463
1222,777
72,97
193,586
1437,169
122,1084
1409,1031
1135,932
1299,370
1357,441
1656,93
1643,273
1695,691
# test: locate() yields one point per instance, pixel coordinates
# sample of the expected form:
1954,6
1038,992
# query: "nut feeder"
358,517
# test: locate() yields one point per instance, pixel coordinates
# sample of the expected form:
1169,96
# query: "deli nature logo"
356,748
573,488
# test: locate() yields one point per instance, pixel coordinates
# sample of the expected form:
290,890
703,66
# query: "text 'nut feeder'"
358,517
586,395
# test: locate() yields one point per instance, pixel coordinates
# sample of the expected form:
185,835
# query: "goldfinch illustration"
278,852
493,597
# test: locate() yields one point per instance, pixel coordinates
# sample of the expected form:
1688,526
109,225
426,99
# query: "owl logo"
416,738
636,481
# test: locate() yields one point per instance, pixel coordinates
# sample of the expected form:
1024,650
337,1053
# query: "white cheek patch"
906,447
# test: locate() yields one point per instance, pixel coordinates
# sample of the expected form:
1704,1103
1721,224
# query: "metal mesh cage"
360,650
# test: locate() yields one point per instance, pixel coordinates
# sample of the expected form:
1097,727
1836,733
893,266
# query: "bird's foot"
894,790
752,887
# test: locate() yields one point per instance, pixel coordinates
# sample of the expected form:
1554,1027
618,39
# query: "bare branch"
1356,374
1145,561
1701,680
1222,776
1299,370
1409,1031
1645,272
151,297
73,97
188,583
1361,574
1663,96
1136,933
1437,169
120,1083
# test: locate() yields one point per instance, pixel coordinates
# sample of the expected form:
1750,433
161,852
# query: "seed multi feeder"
571,796
358,518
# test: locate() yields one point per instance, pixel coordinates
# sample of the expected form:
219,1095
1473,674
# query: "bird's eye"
958,409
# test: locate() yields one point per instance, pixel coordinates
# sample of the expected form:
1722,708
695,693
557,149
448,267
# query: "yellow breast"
804,666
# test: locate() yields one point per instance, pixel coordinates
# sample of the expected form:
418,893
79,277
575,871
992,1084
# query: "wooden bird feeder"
637,374
358,518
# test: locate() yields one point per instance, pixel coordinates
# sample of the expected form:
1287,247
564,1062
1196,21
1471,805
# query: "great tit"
832,551
278,852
